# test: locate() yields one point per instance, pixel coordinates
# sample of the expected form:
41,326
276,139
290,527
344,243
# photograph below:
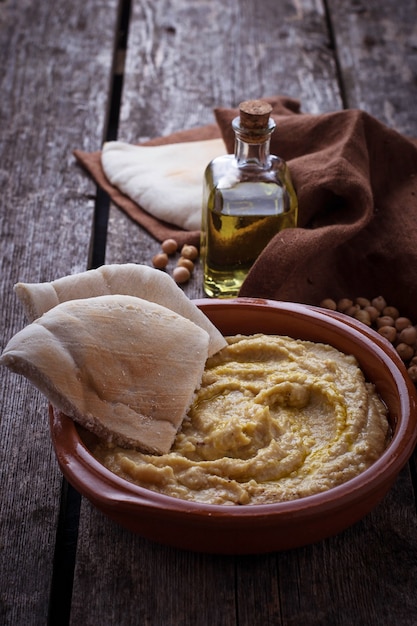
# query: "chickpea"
379,303
328,303
169,246
183,262
362,316
160,261
385,320
352,310
391,311
344,304
373,312
363,302
181,274
412,372
405,351
389,332
402,322
408,335
189,252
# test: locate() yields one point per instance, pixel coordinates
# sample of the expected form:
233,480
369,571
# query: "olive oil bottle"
248,198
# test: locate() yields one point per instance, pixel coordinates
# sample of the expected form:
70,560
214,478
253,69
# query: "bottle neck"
256,154
252,146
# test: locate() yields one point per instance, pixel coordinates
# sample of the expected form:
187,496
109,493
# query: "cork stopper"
254,114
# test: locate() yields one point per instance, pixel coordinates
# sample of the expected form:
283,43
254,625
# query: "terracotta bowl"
271,527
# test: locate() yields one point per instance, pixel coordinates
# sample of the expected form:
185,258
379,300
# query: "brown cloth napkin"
356,181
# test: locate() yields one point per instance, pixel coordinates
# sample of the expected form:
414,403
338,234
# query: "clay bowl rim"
100,485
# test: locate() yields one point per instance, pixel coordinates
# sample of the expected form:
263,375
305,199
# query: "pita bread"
128,279
123,367
166,181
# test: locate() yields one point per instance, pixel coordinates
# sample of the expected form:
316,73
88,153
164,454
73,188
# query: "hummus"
275,419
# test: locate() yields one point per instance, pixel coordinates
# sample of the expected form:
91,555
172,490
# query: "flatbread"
128,279
122,367
166,181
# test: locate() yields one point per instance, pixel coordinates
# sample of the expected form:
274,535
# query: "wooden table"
76,73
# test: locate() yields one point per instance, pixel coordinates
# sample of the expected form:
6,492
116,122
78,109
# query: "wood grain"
376,43
55,63
184,57
181,62
135,581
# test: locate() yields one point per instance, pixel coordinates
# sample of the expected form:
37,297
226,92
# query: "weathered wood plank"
376,44
134,581
55,61
187,58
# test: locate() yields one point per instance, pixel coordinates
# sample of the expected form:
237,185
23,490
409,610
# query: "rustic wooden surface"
376,45
183,57
56,61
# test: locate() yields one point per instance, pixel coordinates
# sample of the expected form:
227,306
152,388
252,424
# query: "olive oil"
248,198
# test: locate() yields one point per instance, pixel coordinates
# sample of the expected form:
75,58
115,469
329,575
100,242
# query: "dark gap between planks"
64,557
70,504
413,472
333,47
102,204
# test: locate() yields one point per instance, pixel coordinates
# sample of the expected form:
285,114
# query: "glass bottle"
248,198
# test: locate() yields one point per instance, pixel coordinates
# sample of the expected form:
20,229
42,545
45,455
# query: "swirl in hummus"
275,419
